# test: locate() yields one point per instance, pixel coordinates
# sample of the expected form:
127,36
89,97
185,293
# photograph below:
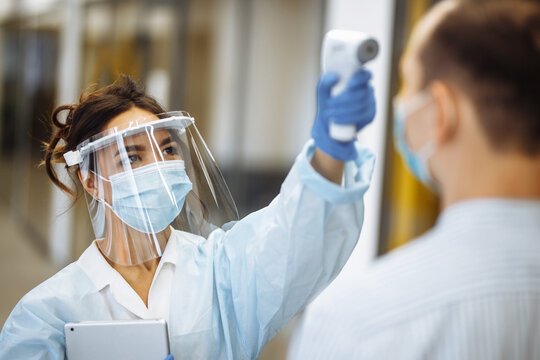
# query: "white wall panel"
377,19
263,109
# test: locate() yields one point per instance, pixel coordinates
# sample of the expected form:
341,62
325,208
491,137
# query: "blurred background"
245,69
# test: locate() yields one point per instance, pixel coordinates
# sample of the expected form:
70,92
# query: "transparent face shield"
146,178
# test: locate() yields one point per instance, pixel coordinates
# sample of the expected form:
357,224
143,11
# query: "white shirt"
123,302
467,289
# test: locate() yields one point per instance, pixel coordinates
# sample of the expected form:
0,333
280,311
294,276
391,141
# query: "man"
468,124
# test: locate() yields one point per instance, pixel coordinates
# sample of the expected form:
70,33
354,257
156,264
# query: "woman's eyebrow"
165,141
131,148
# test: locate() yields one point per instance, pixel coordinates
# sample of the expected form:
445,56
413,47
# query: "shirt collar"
102,274
487,211
170,253
96,267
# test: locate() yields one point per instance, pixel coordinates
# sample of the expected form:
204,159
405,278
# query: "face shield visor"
143,178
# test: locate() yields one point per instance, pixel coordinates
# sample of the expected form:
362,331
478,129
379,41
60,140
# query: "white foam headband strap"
73,158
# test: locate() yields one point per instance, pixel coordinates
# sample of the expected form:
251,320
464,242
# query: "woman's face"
140,149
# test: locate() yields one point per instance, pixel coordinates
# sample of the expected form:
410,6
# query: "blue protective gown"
232,292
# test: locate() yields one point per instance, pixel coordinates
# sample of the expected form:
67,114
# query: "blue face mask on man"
417,161
150,197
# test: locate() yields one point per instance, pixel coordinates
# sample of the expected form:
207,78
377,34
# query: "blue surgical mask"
417,161
150,197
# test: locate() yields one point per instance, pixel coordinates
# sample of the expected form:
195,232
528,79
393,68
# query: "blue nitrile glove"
355,105
169,357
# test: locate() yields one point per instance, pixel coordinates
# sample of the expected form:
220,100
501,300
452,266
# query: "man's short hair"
491,50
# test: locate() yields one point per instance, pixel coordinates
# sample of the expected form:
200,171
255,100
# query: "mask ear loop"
406,108
98,199
428,150
415,104
99,216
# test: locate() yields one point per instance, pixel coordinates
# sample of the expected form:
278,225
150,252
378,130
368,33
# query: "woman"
164,247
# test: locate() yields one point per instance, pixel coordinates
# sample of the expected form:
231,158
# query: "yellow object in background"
414,207
410,207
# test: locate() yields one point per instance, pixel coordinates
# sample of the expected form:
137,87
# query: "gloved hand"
169,357
355,105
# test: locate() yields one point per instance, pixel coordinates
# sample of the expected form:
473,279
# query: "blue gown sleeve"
32,331
272,263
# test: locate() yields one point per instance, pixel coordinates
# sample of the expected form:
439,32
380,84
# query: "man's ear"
447,105
88,181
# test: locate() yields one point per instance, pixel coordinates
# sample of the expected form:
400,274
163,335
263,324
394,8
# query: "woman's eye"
169,151
133,158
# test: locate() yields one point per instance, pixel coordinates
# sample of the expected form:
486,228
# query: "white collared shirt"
467,289
123,302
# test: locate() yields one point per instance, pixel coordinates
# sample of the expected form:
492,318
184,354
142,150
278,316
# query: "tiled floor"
21,266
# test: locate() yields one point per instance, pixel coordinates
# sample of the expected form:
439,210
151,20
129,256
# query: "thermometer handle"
342,133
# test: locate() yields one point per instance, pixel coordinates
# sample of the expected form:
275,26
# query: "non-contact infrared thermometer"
345,52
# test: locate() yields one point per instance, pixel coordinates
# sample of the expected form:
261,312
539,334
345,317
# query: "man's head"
477,65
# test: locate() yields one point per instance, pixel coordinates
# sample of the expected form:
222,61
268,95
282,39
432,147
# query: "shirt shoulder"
472,280
436,271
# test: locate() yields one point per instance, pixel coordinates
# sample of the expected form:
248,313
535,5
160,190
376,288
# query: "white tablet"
117,339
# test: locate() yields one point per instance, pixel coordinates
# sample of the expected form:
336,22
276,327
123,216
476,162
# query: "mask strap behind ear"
428,150
99,176
96,197
417,102
412,106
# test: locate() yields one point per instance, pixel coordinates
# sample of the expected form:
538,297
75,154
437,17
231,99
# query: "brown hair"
89,117
491,50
